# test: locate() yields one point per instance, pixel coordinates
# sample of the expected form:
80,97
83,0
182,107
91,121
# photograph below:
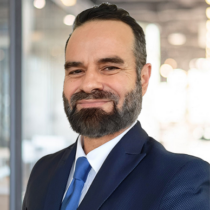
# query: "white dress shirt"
100,152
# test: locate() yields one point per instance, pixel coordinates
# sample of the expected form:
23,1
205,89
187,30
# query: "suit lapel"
121,161
59,179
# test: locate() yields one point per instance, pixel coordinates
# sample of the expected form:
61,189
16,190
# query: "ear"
145,76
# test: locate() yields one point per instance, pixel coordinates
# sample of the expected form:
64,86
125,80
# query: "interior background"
175,109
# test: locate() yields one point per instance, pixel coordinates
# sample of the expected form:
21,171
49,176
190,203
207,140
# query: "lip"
92,103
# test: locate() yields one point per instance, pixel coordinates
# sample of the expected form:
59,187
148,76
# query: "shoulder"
186,178
159,156
49,162
189,187
41,175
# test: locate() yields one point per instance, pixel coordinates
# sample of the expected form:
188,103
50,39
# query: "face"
101,92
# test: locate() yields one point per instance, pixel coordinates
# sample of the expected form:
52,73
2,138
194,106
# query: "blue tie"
71,200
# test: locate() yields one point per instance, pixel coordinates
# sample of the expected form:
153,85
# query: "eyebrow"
70,64
114,59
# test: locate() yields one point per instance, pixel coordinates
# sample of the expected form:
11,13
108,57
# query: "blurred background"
176,109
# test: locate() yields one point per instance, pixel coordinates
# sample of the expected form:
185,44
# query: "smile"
91,103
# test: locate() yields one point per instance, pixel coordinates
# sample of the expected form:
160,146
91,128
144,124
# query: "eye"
110,68
75,72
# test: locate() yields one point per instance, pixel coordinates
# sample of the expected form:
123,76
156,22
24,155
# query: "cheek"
122,99
119,88
124,88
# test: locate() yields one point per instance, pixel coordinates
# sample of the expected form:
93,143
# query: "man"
114,164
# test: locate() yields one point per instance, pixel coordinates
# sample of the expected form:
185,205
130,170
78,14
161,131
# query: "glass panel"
4,106
45,126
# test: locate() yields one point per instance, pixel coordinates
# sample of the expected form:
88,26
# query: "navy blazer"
138,174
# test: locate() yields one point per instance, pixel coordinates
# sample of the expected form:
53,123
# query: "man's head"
106,74
107,11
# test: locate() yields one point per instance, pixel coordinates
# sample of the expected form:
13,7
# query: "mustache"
95,94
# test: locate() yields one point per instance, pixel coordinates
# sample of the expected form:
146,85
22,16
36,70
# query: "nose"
91,81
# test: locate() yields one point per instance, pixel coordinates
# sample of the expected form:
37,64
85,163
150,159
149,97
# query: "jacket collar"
121,161
59,179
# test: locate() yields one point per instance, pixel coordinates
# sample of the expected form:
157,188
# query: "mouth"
92,103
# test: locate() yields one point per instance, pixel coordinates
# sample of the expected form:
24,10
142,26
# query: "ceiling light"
200,63
208,25
165,70
68,3
208,1
69,20
171,62
208,12
192,63
177,39
39,4
208,36
177,79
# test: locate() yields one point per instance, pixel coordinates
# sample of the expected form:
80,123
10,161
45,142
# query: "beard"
95,122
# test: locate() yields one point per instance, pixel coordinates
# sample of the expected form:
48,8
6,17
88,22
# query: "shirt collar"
100,152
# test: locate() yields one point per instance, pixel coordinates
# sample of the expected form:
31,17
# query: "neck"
90,144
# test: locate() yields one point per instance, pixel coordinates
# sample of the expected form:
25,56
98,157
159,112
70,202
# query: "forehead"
108,36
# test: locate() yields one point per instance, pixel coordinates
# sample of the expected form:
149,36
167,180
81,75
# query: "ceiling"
172,16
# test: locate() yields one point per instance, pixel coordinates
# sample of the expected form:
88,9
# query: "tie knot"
82,169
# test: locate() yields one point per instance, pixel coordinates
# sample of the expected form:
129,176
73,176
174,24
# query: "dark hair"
107,11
